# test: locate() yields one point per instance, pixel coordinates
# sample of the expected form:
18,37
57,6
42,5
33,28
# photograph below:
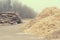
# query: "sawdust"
45,13
45,24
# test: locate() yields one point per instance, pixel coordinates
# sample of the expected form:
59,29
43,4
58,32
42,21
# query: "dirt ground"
14,32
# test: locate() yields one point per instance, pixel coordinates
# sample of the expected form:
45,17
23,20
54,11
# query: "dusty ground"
14,33
11,33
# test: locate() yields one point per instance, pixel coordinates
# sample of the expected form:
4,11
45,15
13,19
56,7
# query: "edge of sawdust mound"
45,26
9,18
45,13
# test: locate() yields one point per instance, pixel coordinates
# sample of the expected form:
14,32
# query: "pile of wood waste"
47,23
9,18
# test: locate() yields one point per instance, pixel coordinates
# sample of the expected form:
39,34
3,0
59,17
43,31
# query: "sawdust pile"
9,18
46,24
45,13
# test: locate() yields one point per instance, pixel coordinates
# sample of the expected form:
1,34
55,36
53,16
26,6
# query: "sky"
39,5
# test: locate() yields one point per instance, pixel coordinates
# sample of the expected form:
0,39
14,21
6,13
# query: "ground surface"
14,33
9,33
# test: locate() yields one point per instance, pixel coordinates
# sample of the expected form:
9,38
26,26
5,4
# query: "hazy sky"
38,5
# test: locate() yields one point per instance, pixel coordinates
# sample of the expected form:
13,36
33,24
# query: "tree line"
23,10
